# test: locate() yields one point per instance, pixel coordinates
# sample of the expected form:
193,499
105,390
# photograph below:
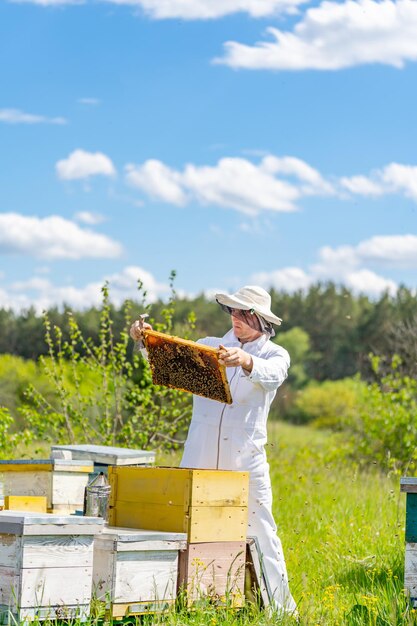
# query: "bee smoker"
96,497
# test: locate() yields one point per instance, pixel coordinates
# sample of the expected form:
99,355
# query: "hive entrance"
187,365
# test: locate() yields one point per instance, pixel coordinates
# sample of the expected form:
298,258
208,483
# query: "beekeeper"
233,436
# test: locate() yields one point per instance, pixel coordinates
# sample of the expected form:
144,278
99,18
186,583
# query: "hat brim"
236,303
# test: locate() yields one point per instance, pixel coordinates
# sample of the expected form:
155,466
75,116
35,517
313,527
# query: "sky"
237,142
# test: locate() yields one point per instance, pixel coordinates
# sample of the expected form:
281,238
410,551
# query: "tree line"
342,328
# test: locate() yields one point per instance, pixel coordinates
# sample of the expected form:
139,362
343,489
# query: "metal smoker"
96,497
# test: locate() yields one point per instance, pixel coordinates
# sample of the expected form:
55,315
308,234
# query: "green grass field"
342,531
343,536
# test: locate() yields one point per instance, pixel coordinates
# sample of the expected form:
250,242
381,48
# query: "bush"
328,405
103,393
384,427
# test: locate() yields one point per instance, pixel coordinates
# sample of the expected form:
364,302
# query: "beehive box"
103,456
136,571
62,482
187,365
409,486
46,565
208,505
213,572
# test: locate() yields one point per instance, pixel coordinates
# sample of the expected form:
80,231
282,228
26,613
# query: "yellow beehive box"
208,505
25,503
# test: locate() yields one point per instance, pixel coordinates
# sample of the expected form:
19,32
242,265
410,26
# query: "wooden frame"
257,587
187,365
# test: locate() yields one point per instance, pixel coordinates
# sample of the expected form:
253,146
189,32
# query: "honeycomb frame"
186,365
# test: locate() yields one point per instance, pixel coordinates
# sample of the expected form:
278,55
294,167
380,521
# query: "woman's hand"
137,328
235,357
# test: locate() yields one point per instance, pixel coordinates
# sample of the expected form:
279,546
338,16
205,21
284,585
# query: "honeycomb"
186,365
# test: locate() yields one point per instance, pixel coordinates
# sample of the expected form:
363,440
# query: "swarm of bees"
186,365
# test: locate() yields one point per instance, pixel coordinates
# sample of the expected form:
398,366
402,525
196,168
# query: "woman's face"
242,330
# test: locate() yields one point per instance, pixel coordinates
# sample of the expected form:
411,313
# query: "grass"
342,531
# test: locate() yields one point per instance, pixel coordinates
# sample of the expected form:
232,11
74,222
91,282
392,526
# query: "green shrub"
384,427
329,404
103,393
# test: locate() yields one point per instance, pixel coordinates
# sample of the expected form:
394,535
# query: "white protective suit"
232,437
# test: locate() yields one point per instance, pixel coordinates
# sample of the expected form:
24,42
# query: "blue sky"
235,141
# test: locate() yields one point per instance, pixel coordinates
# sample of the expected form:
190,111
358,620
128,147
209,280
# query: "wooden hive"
187,365
213,572
208,505
62,482
409,486
46,566
136,571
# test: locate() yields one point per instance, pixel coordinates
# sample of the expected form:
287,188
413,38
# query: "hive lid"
138,534
104,455
39,465
32,523
187,365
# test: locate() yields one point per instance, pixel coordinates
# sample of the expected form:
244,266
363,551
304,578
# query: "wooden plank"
25,466
410,570
215,571
10,550
408,484
203,524
25,503
140,608
68,489
167,486
58,551
9,586
126,535
24,483
55,586
219,488
178,486
146,576
218,523
104,455
59,612
172,518
256,584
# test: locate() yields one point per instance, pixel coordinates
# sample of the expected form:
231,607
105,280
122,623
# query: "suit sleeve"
271,371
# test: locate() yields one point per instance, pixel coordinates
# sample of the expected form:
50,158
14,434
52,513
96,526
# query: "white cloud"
387,250
158,181
401,178
81,164
233,182
43,294
349,265
209,9
86,217
287,279
365,281
52,238
398,250
193,9
15,116
333,36
363,186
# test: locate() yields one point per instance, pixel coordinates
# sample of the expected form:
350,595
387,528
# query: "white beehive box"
62,482
136,571
46,565
103,455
